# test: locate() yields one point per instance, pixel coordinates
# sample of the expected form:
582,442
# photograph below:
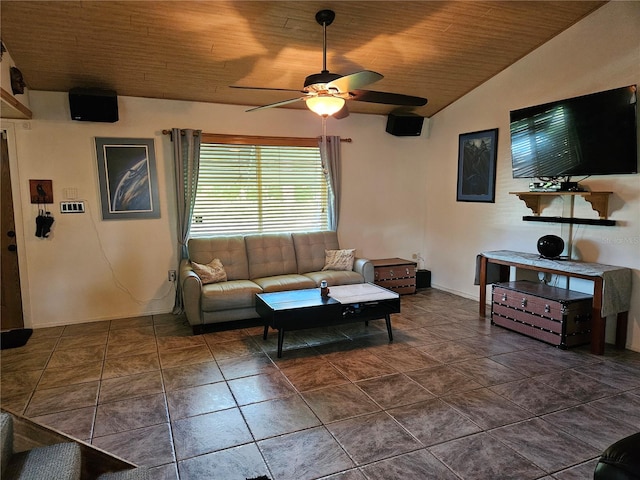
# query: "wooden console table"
611,287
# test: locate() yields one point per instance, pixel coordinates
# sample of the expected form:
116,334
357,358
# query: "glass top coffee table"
300,309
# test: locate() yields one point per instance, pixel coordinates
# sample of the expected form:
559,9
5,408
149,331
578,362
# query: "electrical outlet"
172,275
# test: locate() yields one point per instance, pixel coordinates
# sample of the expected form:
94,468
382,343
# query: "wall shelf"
12,108
571,220
599,201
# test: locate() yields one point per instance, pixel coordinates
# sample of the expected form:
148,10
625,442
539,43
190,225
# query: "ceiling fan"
325,93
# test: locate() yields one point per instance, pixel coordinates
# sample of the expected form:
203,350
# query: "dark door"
10,286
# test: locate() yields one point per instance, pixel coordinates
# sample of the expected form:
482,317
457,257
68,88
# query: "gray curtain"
330,155
186,159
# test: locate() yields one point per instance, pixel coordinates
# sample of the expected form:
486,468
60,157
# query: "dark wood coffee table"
300,309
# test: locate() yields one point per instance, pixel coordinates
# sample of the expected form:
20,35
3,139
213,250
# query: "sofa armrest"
365,268
191,293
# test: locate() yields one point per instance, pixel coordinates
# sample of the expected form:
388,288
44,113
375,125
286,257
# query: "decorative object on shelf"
127,174
550,246
17,81
477,154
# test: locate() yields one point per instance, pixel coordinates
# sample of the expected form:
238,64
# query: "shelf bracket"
599,202
531,200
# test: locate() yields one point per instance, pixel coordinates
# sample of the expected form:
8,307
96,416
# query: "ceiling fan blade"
277,104
353,81
387,98
342,113
267,88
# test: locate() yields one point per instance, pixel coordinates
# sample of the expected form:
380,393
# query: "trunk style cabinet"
554,315
395,274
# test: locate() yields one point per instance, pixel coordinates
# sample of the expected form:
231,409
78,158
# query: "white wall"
599,53
90,269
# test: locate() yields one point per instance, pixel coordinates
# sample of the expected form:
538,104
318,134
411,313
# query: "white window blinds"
259,189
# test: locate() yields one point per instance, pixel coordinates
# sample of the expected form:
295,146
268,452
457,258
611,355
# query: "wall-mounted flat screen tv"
594,134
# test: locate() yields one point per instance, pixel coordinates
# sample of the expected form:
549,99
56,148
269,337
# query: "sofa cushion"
339,259
335,277
212,272
230,250
311,247
279,283
270,254
6,432
59,461
229,295
139,473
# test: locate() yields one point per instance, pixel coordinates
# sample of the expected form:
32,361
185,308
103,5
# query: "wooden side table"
617,286
395,274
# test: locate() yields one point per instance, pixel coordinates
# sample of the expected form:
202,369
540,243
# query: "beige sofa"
258,263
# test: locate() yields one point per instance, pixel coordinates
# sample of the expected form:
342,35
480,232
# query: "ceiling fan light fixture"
325,105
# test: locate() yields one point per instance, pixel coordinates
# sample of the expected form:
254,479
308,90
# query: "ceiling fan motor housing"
321,78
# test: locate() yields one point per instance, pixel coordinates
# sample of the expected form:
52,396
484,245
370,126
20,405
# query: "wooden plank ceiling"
188,50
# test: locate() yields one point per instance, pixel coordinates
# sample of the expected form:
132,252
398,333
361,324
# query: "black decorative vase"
550,246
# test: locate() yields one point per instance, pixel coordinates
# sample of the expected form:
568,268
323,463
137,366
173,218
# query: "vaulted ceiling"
194,50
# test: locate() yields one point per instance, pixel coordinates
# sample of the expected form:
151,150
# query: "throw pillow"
339,259
213,272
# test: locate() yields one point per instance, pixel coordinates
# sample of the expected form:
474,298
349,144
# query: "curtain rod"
168,132
348,140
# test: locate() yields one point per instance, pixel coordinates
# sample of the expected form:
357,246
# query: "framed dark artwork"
41,191
127,175
477,154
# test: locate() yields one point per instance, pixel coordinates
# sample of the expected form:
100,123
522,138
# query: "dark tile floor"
451,398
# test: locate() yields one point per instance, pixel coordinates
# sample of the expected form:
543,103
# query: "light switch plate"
72,207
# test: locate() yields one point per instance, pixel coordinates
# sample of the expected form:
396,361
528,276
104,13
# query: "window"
259,185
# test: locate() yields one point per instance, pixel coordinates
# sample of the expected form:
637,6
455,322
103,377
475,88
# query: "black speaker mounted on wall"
93,105
406,125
